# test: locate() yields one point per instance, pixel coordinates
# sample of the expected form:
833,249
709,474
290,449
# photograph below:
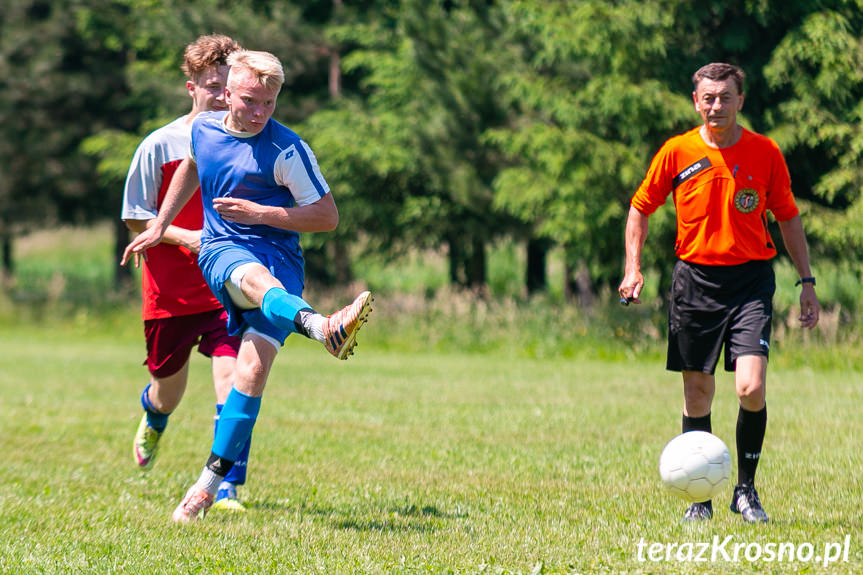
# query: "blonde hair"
207,51
265,66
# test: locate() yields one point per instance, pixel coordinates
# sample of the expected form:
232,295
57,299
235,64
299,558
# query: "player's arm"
182,187
795,242
634,238
296,169
319,216
189,239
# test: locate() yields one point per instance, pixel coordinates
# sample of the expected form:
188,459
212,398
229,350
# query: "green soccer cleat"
231,504
146,444
227,500
340,329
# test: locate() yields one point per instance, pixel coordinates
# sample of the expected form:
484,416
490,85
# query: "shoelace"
196,503
750,497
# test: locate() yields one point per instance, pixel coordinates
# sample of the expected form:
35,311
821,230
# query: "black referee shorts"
712,306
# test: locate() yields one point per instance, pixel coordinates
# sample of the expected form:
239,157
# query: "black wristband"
809,280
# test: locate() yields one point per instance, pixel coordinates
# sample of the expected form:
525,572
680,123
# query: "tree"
592,113
411,166
54,83
149,39
819,66
441,124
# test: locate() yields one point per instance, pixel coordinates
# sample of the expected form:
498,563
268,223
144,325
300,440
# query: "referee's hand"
630,288
810,309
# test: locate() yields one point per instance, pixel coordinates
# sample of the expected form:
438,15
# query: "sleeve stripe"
307,163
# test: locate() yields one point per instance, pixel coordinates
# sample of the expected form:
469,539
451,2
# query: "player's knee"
165,394
751,395
251,376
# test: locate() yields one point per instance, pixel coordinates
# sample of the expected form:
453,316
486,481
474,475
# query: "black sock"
219,465
300,321
751,426
696,424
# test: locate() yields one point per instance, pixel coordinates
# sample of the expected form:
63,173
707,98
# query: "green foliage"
155,35
820,64
443,124
65,276
62,273
590,120
50,99
114,150
406,147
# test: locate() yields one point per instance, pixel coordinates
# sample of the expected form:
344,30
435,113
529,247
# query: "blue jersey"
274,168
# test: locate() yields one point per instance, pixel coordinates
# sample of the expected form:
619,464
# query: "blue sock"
281,309
237,474
155,419
236,422
227,490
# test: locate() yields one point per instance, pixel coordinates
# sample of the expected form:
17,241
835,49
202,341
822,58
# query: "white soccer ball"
695,466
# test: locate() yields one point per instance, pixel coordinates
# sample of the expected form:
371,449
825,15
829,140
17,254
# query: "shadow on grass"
405,518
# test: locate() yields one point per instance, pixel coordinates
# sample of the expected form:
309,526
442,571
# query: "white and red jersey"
172,281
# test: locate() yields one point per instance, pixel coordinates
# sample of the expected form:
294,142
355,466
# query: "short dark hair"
718,71
206,51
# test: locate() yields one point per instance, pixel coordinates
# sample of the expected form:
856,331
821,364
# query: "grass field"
406,462
467,436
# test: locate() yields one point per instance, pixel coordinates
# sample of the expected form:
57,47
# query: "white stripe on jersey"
297,169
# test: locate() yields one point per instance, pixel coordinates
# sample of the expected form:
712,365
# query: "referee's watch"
809,280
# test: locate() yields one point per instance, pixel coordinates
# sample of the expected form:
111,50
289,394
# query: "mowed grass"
397,462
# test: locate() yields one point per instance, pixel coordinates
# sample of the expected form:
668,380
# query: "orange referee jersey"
721,195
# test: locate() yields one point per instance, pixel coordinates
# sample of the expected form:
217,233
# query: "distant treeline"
446,125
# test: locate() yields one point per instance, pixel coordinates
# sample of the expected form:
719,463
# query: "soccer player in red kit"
179,309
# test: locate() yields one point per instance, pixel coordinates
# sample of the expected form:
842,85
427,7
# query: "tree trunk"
475,265
467,262
338,248
569,289
584,285
7,274
577,284
455,262
535,274
335,81
122,274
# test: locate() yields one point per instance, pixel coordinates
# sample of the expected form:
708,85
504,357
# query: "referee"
723,178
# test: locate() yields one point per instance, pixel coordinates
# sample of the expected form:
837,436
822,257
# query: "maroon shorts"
170,340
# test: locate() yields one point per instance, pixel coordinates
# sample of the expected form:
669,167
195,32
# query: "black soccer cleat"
699,512
746,502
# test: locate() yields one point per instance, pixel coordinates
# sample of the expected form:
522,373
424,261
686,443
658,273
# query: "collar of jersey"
233,132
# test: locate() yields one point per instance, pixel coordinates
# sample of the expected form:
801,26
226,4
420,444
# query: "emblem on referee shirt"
746,200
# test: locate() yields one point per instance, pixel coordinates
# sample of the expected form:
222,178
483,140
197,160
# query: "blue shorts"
220,257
